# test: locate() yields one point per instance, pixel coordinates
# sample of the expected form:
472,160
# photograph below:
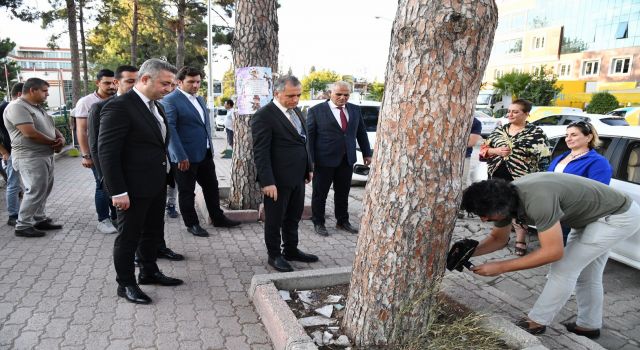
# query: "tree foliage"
228,86
376,90
601,103
17,9
6,45
318,81
542,88
512,83
110,39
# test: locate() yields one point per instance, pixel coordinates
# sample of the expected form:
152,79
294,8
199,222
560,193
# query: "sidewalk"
59,292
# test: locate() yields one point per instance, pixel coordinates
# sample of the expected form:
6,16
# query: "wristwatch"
86,156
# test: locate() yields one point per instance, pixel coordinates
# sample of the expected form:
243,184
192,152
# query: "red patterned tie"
343,119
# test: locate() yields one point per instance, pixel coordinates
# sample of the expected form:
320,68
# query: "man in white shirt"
228,122
106,83
191,151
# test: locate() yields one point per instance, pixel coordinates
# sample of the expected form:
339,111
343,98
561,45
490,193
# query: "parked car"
221,115
631,114
557,124
621,146
489,123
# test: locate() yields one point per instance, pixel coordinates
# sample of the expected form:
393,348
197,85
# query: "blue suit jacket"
189,135
327,142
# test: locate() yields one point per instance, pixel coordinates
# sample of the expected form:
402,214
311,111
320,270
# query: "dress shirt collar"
334,106
281,107
144,98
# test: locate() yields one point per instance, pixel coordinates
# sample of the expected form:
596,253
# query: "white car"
221,116
489,123
558,122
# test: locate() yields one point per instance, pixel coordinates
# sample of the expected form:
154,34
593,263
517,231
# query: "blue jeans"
103,202
14,185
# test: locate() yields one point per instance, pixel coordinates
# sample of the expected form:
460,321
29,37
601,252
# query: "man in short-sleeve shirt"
600,217
34,138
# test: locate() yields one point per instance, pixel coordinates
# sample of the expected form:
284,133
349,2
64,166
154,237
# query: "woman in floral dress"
516,149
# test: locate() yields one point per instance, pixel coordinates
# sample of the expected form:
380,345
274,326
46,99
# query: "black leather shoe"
166,253
47,225
158,278
299,255
591,334
347,227
133,294
29,232
225,222
280,264
196,230
12,221
321,230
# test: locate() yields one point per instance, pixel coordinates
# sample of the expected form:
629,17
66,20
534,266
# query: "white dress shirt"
336,112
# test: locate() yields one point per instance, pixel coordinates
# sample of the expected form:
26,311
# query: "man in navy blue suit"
334,127
191,151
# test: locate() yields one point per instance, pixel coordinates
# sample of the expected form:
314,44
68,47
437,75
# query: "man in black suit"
132,148
334,126
283,167
125,80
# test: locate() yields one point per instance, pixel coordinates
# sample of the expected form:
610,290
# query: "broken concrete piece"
284,294
316,321
342,341
325,311
326,337
332,299
306,297
317,338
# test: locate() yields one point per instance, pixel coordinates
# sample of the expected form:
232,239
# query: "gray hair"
341,83
153,66
280,83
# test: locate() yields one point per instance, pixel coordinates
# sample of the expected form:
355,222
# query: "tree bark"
182,8
83,44
134,34
255,43
75,55
438,53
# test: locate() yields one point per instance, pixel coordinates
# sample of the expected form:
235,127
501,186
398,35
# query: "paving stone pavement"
59,292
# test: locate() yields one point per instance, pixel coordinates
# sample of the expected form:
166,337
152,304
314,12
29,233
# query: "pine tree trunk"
83,44
75,55
134,34
182,8
438,53
255,43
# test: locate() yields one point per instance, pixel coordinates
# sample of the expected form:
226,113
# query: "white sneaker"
105,226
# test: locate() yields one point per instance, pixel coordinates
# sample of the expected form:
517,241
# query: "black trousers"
204,173
323,177
141,228
283,214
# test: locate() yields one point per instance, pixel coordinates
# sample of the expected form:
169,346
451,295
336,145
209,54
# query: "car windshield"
483,99
618,113
615,121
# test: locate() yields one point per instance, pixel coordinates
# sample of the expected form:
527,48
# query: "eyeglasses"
582,124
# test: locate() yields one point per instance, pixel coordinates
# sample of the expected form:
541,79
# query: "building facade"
591,45
54,66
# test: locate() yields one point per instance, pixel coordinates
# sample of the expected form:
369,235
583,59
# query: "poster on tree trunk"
254,88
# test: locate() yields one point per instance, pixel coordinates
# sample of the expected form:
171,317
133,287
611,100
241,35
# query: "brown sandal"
519,250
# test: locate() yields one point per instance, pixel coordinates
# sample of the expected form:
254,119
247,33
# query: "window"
620,65
497,73
564,70
590,68
630,167
559,146
552,120
535,70
623,30
370,117
537,43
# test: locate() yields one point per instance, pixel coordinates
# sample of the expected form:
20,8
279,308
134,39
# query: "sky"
340,35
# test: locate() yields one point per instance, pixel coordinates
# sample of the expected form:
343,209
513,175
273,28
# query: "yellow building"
591,45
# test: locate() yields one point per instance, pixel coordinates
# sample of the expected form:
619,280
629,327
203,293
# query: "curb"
287,334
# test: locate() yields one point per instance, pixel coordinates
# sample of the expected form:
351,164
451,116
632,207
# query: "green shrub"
601,103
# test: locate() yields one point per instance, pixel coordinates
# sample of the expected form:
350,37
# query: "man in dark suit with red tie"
334,127
132,147
283,167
